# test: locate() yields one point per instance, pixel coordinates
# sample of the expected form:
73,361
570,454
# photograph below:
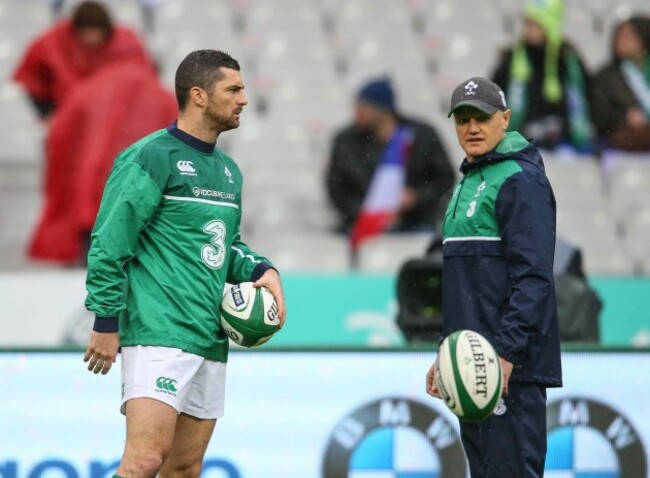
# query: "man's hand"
271,280
506,367
102,351
408,201
635,118
432,387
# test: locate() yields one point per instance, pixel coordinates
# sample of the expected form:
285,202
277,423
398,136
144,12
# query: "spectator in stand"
621,101
361,147
104,114
545,82
71,51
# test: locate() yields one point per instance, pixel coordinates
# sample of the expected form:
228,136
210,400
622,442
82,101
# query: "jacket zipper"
462,183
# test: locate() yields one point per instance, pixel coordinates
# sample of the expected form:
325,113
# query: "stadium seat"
636,240
261,143
20,21
356,18
286,199
387,253
644,266
592,46
306,252
628,179
21,134
20,183
211,29
594,232
298,20
578,185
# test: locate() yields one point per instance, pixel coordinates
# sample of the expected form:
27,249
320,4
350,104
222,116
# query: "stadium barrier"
339,310
310,414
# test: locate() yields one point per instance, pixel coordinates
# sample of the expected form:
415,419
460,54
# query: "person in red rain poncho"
71,51
106,113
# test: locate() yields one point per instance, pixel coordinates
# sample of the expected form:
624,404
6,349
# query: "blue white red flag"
382,202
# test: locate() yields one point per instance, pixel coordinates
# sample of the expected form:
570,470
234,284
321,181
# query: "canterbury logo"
167,384
186,168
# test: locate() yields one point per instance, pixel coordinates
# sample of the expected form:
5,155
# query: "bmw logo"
394,438
587,438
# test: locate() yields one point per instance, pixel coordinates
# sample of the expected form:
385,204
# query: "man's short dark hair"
92,15
201,68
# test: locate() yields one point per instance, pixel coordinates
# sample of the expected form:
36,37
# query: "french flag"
382,201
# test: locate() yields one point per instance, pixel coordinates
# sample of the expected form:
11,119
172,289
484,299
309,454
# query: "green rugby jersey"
166,241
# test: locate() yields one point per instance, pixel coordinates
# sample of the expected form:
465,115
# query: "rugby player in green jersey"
165,243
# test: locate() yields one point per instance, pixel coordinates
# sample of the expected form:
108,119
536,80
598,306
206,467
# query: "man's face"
366,116
91,38
478,133
533,33
226,100
628,43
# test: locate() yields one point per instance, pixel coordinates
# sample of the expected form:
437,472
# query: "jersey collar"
188,139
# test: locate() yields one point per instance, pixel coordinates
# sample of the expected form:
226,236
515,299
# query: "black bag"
419,297
578,305
578,309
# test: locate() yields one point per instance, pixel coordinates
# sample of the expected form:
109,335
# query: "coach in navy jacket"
499,241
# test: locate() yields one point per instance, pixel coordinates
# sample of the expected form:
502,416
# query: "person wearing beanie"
357,150
546,82
621,100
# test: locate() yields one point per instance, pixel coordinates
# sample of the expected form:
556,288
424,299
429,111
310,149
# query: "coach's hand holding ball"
506,368
432,386
468,375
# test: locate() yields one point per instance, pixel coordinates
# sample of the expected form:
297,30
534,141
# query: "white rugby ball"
249,315
469,375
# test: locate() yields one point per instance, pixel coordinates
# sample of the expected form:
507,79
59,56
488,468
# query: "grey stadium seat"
387,253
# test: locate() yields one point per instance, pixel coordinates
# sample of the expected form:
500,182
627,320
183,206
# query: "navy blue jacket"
499,242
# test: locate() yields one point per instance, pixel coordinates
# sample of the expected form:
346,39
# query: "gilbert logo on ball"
249,315
469,375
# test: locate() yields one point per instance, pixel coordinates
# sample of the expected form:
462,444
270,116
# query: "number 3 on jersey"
214,254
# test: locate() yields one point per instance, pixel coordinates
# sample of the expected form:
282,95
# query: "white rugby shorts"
187,382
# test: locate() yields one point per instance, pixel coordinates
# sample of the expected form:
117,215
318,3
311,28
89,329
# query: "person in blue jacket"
498,247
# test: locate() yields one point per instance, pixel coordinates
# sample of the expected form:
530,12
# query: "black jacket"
612,98
547,123
498,247
355,156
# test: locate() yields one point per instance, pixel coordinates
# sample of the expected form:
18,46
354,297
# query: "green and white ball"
249,315
469,375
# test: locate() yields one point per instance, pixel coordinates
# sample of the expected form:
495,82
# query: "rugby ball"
249,315
469,375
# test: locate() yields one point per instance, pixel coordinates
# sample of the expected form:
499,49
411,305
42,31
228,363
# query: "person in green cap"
545,82
621,102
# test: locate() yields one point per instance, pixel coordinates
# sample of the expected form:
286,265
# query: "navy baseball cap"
479,93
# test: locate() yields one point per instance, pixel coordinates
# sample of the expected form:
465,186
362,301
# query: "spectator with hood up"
71,51
545,82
